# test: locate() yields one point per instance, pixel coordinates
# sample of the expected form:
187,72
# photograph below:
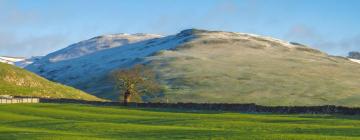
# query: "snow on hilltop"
355,60
98,43
10,60
91,60
209,66
86,65
19,61
94,58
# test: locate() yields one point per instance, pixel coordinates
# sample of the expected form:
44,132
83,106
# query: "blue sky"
38,27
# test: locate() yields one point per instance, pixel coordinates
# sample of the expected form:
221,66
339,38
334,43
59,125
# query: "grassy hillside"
68,121
237,68
18,82
216,66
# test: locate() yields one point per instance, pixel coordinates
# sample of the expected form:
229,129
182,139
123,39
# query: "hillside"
89,70
18,82
215,66
84,122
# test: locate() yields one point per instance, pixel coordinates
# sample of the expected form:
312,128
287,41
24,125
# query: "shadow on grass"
204,111
344,132
330,117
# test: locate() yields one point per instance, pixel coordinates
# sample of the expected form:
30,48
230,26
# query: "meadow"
75,121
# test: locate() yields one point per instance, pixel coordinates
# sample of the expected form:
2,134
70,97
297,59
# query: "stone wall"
19,100
246,108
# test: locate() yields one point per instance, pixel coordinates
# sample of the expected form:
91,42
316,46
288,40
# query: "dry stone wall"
19,100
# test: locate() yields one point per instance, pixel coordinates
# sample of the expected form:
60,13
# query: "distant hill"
11,60
19,82
18,61
354,56
212,66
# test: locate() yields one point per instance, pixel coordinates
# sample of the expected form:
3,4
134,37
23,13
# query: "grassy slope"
209,69
68,121
19,82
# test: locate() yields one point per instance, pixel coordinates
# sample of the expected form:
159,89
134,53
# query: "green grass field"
73,121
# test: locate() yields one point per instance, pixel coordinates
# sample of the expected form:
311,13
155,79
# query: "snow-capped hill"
93,59
97,44
192,61
27,61
19,61
84,64
10,60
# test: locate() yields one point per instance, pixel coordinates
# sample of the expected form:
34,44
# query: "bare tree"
136,82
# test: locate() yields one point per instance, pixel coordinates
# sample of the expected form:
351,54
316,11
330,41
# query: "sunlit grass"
19,82
73,121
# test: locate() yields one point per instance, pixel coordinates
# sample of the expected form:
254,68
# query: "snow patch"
10,60
97,44
355,60
270,39
18,61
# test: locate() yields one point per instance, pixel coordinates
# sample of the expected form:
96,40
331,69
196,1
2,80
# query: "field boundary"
245,108
18,100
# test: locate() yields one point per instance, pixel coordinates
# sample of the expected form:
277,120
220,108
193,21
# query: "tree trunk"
126,97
